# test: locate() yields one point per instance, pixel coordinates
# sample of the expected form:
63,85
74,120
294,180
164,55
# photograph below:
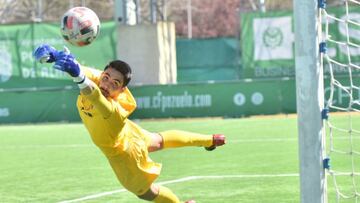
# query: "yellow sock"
178,138
166,196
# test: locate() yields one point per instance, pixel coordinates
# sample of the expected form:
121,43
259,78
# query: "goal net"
340,48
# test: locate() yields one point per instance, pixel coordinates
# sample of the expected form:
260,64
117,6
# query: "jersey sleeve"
107,108
127,101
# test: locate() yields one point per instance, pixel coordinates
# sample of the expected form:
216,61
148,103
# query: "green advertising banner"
267,42
34,92
18,68
225,99
228,99
39,106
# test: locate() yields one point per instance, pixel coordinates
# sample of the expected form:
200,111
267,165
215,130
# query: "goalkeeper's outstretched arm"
91,91
64,61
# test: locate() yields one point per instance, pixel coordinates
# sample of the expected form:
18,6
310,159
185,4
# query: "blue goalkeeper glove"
45,54
64,61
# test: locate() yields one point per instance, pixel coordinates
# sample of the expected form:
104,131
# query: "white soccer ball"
80,26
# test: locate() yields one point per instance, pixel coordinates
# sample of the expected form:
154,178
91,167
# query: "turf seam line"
184,179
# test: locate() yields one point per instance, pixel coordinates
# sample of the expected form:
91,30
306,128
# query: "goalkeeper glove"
64,61
67,63
45,54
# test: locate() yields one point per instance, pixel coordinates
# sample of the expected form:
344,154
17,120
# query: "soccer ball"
80,26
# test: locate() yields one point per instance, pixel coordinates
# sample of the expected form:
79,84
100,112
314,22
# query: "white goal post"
310,101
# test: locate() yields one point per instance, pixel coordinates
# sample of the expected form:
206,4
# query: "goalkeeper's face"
111,83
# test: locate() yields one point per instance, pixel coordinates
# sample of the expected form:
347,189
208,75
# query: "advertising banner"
39,106
228,99
225,99
268,46
18,68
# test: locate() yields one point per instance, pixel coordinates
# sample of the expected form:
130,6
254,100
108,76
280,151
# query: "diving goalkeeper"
104,104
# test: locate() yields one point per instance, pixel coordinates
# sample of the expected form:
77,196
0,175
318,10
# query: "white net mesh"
341,34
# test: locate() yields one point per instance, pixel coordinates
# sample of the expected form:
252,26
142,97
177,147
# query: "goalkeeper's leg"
178,138
161,194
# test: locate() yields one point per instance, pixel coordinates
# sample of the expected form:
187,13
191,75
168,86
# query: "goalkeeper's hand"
45,53
67,63
64,61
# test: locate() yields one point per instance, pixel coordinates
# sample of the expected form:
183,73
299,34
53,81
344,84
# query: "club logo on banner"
273,38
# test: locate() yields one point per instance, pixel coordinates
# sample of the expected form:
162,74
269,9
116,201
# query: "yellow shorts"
133,167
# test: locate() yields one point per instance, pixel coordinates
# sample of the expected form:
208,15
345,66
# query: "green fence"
215,59
223,99
228,99
39,105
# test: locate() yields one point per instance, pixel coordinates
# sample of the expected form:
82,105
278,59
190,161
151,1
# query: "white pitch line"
47,146
263,140
185,179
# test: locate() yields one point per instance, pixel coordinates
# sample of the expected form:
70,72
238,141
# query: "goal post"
309,101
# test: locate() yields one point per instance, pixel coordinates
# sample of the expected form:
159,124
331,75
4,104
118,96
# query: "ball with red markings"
80,26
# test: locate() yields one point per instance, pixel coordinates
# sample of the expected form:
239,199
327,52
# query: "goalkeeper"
104,104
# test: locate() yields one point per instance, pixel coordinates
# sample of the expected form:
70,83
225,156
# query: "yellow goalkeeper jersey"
122,141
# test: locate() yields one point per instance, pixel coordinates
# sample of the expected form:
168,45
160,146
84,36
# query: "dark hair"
123,68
